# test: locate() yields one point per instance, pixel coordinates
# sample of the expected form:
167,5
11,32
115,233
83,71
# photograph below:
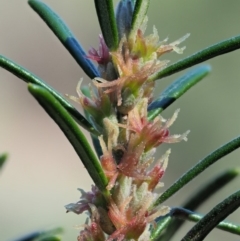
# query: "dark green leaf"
213,218
29,77
62,32
185,214
198,198
139,13
195,217
40,235
73,133
107,21
215,50
3,158
199,168
53,238
29,237
176,90
210,188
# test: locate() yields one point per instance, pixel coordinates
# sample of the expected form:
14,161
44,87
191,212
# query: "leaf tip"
234,171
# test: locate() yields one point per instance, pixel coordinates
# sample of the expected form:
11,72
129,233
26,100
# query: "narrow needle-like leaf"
199,168
139,13
52,238
198,198
29,77
106,18
29,237
3,158
177,213
210,188
176,90
213,218
62,32
186,214
215,50
73,133
40,235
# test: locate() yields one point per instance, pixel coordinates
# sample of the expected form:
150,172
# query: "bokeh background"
43,172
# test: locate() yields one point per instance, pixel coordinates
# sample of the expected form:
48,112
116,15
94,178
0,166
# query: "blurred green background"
43,172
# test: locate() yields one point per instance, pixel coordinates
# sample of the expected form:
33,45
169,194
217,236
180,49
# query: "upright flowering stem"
117,108
126,127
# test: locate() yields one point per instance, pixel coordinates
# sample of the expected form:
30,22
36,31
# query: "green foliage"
3,158
176,90
62,32
213,218
46,235
210,52
172,222
29,77
139,14
68,118
199,168
75,136
181,214
107,21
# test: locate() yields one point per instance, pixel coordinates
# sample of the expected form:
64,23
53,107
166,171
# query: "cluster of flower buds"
116,105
